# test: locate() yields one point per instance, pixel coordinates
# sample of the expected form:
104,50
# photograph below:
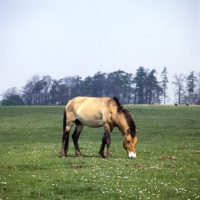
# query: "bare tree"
179,86
10,92
31,91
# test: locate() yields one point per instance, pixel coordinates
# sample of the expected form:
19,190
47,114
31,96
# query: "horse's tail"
64,120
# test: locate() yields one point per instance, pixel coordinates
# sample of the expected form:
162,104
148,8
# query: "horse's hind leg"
65,140
65,144
75,137
65,137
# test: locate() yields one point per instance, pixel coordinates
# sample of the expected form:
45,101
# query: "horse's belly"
92,123
93,116
90,120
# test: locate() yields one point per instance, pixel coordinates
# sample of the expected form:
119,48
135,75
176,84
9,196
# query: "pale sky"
81,37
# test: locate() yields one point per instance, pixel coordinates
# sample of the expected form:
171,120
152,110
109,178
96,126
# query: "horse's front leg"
75,137
65,144
106,141
101,151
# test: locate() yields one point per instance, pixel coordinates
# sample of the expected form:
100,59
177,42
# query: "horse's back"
91,111
89,102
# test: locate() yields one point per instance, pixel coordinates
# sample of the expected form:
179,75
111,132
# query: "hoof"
62,156
109,155
102,155
79,154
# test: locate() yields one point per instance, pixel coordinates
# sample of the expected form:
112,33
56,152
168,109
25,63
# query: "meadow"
167,164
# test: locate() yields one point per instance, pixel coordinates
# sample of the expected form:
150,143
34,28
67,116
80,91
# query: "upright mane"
130,122
119,106
127,114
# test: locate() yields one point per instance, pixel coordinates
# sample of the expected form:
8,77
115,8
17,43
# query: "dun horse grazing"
97,112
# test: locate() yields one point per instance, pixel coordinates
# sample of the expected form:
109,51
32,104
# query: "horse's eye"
128,141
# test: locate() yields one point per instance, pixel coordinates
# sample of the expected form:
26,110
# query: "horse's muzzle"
132,155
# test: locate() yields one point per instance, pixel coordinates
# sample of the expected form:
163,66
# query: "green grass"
167,164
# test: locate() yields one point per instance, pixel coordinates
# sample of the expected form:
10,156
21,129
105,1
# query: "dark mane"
120,107
127,114
130,122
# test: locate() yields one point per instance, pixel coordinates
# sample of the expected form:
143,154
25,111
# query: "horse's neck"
122,124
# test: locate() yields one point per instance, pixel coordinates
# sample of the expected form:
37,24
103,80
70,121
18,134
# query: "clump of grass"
167,164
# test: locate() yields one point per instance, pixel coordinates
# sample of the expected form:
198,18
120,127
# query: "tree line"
141,88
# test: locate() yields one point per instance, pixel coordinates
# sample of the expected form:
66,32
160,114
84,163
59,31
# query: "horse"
97,112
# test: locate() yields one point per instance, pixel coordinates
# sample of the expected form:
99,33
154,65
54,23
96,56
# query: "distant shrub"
14,100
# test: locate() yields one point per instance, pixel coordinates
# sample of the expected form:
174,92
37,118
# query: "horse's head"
129,145
127,126
130,138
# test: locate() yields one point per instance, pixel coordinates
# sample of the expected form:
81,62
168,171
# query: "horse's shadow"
89,156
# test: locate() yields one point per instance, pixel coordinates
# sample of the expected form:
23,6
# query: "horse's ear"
128,131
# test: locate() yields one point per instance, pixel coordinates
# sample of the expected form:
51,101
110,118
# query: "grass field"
167,164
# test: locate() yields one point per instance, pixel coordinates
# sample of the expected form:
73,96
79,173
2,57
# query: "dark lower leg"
65,143
108,142
105,141
101,151
75,137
